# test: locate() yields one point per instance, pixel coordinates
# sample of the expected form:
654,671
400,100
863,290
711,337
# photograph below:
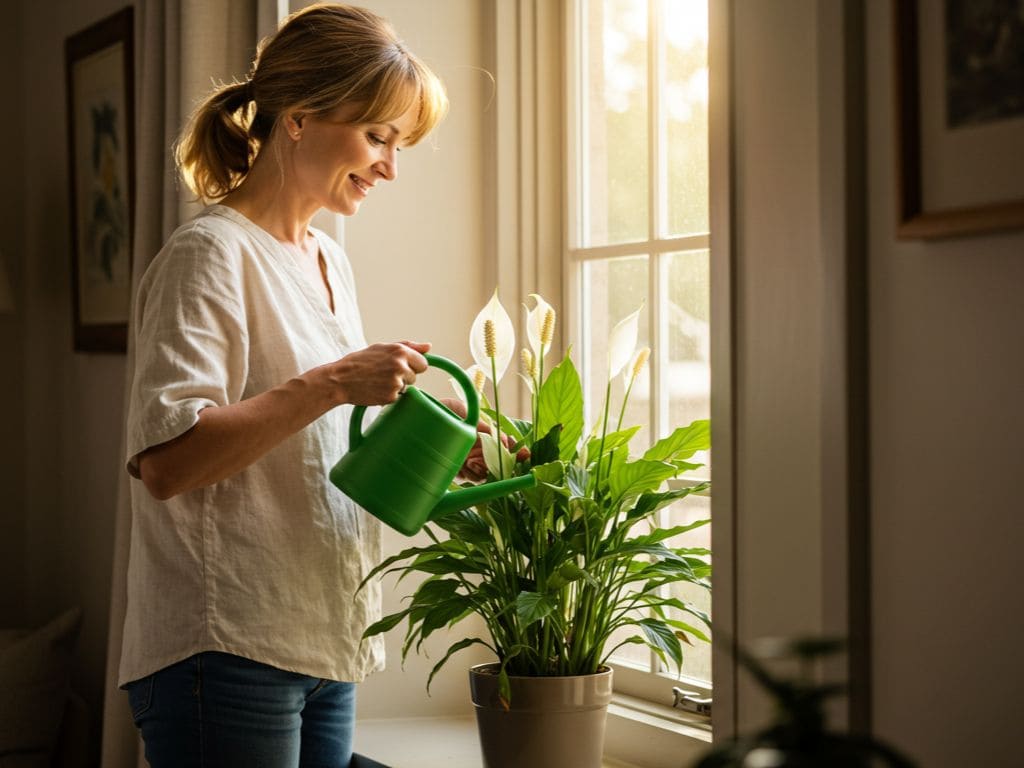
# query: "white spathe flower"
540,326
622,343
502,338
476,376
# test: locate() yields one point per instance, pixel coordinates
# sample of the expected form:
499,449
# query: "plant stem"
604,434
497,420
625,399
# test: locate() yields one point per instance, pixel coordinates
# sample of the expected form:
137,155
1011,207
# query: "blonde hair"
321,57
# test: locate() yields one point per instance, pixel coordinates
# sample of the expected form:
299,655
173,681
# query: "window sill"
639,735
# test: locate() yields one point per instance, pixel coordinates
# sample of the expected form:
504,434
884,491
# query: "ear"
293,124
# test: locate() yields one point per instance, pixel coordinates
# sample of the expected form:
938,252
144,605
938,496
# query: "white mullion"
653,230
574,284
583,122
639,247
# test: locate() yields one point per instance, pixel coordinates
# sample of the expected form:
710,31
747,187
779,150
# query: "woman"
242,634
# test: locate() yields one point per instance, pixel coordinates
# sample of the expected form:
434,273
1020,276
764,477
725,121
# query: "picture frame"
959,140
99,65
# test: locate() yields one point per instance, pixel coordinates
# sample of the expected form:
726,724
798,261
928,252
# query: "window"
639,234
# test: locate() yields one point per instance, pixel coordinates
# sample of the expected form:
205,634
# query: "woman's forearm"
229,438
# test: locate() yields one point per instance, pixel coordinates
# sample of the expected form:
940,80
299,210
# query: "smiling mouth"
363,186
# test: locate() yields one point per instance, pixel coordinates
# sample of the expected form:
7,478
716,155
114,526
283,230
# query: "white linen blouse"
266,563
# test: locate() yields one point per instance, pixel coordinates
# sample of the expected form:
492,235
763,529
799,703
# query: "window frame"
644,684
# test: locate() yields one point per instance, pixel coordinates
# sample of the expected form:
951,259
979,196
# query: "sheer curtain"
183,47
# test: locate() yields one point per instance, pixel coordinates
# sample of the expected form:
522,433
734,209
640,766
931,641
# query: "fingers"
380,373
418,363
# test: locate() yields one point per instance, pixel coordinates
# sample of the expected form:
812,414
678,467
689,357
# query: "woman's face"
337,163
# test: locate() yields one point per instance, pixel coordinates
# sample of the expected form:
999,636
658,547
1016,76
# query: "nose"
387,166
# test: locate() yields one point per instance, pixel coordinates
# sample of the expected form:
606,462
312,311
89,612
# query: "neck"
266,198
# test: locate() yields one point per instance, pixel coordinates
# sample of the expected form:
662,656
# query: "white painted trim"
525,192
723,352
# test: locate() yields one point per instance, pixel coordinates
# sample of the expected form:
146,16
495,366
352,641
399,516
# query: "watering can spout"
472,495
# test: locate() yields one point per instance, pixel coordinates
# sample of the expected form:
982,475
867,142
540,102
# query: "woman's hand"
474,468
376,375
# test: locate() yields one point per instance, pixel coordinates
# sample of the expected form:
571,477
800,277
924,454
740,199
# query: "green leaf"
542,496
504,688
570,572
633,548
652,502
662,639
560,401
682,443
637,477
403,555
546,450
532,607
465,525
576,478
450,610
453,649
514,427
661,534
447,564
688,629
435,590
388,622
612,441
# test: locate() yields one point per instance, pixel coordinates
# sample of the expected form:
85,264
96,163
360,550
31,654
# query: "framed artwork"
101,151
959,89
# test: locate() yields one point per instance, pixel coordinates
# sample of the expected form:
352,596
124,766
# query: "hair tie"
249,95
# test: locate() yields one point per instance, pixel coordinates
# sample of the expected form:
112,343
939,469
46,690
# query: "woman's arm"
229,438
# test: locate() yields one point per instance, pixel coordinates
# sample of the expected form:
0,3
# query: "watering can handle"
355,427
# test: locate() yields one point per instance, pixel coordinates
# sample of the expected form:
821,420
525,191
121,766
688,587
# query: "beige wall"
947,380
778,329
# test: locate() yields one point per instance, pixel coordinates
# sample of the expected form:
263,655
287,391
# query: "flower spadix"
492,337
622,342
476,375
540,326
636,366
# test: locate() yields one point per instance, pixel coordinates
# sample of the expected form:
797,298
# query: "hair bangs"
404,85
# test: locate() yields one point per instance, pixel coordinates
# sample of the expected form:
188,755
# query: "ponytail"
217,148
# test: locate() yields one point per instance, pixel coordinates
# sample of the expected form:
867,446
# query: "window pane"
685,106
615,159
613,289
689,337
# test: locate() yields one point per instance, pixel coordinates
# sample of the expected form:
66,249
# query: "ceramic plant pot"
551,722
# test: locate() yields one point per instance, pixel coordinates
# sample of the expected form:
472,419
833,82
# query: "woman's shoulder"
205,247
212,226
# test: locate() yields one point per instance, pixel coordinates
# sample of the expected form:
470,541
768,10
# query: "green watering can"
400,470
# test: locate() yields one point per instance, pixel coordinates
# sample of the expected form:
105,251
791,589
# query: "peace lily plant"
556,570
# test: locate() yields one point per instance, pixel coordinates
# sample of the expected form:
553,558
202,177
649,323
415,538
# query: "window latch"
691,701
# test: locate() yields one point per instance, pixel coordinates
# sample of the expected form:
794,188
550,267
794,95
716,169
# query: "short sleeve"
191,339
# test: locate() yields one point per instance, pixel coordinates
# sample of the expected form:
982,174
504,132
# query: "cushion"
34,683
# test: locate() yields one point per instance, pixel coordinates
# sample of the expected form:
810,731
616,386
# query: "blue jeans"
216,710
